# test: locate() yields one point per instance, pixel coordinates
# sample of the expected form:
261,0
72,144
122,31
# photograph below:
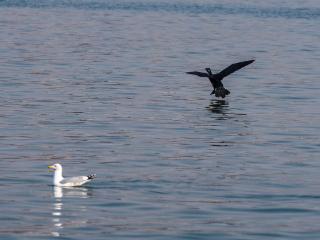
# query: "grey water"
100,87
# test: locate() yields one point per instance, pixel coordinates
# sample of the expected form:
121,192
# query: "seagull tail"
221,92
91,176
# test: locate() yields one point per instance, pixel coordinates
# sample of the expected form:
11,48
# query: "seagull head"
55,167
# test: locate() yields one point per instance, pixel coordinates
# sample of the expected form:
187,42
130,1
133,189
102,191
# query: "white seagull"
60,181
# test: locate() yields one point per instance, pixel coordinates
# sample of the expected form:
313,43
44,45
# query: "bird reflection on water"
57,214
219,106
222,110
57,211
234,124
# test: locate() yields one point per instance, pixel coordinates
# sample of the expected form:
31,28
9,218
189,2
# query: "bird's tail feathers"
221,92
91,176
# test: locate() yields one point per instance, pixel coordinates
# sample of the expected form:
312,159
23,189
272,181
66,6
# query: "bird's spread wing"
200,74
234,67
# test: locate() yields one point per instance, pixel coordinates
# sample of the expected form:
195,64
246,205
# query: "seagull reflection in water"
218,106
57,213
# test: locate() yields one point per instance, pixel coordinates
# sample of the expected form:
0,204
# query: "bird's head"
208,71
55,167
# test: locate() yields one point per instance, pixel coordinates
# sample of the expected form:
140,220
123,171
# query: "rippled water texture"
100,86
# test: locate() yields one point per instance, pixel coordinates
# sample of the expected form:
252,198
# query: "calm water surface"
100,86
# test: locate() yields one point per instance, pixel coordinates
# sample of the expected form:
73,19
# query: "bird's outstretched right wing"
200,74
234,67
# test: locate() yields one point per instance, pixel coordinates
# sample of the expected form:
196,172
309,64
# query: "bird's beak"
51,168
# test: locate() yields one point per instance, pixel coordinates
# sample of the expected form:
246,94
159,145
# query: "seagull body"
60,181
216,79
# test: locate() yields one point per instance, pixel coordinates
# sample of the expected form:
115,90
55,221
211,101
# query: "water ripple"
179,7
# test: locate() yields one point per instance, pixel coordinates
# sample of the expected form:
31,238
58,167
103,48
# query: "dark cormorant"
215,79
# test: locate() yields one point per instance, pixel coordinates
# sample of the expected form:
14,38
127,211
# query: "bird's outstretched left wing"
234,67
200,74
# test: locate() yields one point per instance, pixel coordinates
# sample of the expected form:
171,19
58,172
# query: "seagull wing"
234,67
200,74
74,181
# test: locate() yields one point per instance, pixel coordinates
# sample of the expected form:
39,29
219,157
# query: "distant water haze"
100,87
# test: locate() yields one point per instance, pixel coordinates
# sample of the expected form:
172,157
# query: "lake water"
100,87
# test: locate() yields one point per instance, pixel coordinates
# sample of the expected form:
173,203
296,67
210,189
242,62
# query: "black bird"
215,79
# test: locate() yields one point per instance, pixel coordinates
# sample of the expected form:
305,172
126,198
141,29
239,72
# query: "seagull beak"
51,168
